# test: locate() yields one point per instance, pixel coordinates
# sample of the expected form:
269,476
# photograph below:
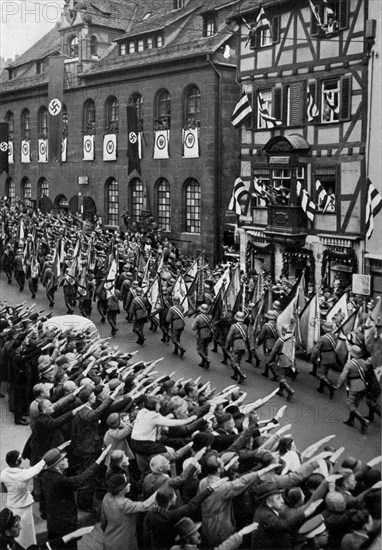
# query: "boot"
350,420
288,389
275,376
215,347
370,416
266,372
202,364
313,372
249,358
235,375
320,388
364,423
175,352
281,391
330,387
182,350
241,375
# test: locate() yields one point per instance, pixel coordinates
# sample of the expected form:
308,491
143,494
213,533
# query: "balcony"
287,224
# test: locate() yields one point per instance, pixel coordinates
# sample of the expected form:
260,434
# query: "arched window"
10,189
136,100
93,46
136,199
25,124
89,118
64,121
11,124
26,189
192,107
73,46
164,205
162,110
112,202
43,122
192,208
111,118
43,188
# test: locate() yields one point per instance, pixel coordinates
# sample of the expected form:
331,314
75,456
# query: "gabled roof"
47,45
109,13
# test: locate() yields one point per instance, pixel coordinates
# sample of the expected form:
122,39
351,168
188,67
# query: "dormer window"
178,4
141,44
12,74
122,48
149,43
132,47
159,41
209,24
39,67
73,47
93,46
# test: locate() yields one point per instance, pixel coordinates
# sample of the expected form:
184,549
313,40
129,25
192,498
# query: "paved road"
312,415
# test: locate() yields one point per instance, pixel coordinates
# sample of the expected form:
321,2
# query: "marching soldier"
221,330
209,295
33,273
125,288
324,354
281,363
163,324
203,327
237,344
139,313
268,336
252,353
7,262
175,318
49,281
85,302
354,373
112,307
18,269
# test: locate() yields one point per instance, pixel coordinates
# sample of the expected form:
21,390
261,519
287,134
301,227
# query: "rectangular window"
281,181
328,178
141,45
122,49
149,42
132,47
266,107
265,37
193,209
330,101
113,204
209,25
159,41
178,4
263,181
164,208
330,17
38,67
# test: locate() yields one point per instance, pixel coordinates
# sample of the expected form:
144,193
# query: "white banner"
110,147
10,153
25,151
140,150
64,149
88,148
190,139
42,153
161,141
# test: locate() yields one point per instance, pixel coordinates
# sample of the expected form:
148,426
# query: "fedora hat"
113,420
271,315
53,457
185,528
267,489
204,308
8,520
239,316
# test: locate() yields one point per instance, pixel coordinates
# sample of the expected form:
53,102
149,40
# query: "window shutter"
275,29
277,103
296,103
258,39
312,89
313,25
343,16
249,121
345,98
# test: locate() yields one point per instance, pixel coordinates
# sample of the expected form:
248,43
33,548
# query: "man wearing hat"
237,343
268,336
221,329
7,262
166,303
275,528
139,313
208,295
59,491
188,535
18,268
175,318
324,355
354,373
203,327
49,281
281,363
314,531
125,290
112,309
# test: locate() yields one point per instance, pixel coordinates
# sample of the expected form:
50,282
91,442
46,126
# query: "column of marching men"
87,392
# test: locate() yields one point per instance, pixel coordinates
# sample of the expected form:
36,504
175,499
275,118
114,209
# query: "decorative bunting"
42,154
161,144
190,139
312,111
64,150
25,151
307,204
88,148
239,191
110,147
11,159
373,206
270,121
242,110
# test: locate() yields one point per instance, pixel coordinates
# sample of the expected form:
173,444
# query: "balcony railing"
286,220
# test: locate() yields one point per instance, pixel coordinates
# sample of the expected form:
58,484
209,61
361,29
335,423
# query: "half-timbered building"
305,68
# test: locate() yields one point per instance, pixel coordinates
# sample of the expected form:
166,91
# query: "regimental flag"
346,328
133,146
192,296
233,288
11,158
315,12
42,153
4,145
64,149
110,147
373,333
373,206
180,288
56,95
307,204
154,294
88,148
56,265
239,192
109,284
161,144
338,309
190,139
287,317
242,110
259,190
262,20
312,111
21,232
81,287
324,200
25,151
223,282
270,121
309,324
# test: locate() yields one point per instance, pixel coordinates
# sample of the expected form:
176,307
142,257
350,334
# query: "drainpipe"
218,155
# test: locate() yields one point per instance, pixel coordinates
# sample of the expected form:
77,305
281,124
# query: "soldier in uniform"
139,313
237,344
253,357
163,324
7,262
18,269
268,336
69,288
324,354
175,318
203,327
33,273
354,373
125,288
221,330
85,301
49,281
131,293
281,363
208,295
112,305
100,293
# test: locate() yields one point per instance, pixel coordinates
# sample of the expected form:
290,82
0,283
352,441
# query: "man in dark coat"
203,327
139,313
59,493
175,318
